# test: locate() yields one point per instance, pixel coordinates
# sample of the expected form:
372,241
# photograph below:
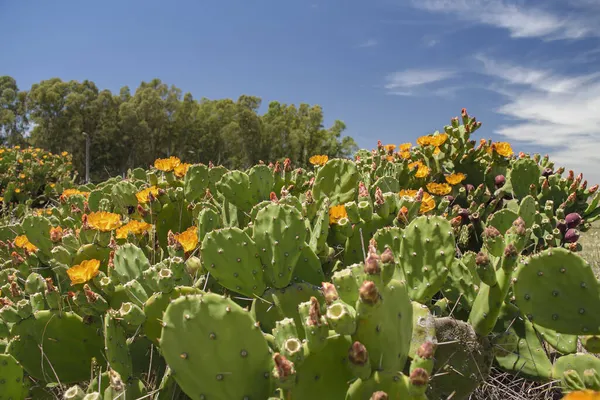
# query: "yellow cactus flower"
188,239
17,190
1,199
336,213
583,395
389,147
390,158
438,140
48,211
503,148
2,151
72,192
404,147
23,242
427,202
104,221
22,176
167,164
84,272
17,147
424,140
181,170
437,151
64,154
422,169
318,160
142,196
133,226
52,185
404,155
456,178
439,189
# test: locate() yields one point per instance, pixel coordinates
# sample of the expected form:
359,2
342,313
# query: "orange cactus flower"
439,189
188,239
583,395
336,213
104,221
318,160
438,140
166,164
133,226
83,272
456,178
23,242
142,196
427,203
404,147
422,169
181,170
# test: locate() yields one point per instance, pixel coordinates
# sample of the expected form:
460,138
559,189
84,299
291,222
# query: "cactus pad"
338,180
215,349
11,379
557,289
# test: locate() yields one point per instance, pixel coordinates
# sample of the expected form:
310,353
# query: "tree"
13,116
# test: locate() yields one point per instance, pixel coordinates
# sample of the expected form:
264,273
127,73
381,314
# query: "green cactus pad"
386,329
37,230
308,268
423,327
115,345
389,237
68,344
232,258
557,290
195,182
320,228
130,261
394,384
325,374
261,182
208,221
502,220
461,284
173,217
525,172
11,379
234,186
566,344
427,249
215,349
517,346
578,362
527,210
279,233
338,180
123,194
155,308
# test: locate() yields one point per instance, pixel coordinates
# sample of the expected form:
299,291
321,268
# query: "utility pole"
87,157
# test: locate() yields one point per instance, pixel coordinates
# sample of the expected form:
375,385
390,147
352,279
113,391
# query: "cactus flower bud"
273,197
358,354
368,293
387,256
572,220
362,190
593,189
571,236
314,313
510,251
426,350
482,259
284,369
419,377
469,188
379,396
372,266
329,292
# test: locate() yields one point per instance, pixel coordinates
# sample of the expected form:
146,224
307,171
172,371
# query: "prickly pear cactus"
215,349
337,180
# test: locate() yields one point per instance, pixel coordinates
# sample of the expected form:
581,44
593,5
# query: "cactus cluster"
405,273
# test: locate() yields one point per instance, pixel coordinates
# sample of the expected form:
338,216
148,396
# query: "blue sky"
390,69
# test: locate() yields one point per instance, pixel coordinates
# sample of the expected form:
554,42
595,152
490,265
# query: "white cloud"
522,21
401,82
369,43
553,111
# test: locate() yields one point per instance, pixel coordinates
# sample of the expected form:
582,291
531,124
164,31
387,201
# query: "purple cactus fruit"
469,188
499,181
547,172
464,214
573,220
571,236
450,199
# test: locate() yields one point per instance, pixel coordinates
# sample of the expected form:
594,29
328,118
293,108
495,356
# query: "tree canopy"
131,130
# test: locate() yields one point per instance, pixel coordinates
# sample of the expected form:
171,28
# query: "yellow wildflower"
438,140
336,213
23,242
133,226
427,202
142,196
318,160
440,189
404,147
83,272
422,169
167,164
104,221
188,239
182,169
456,178
583,395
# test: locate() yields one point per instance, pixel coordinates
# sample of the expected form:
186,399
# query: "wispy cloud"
551,110
369,43
523,21
402,82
